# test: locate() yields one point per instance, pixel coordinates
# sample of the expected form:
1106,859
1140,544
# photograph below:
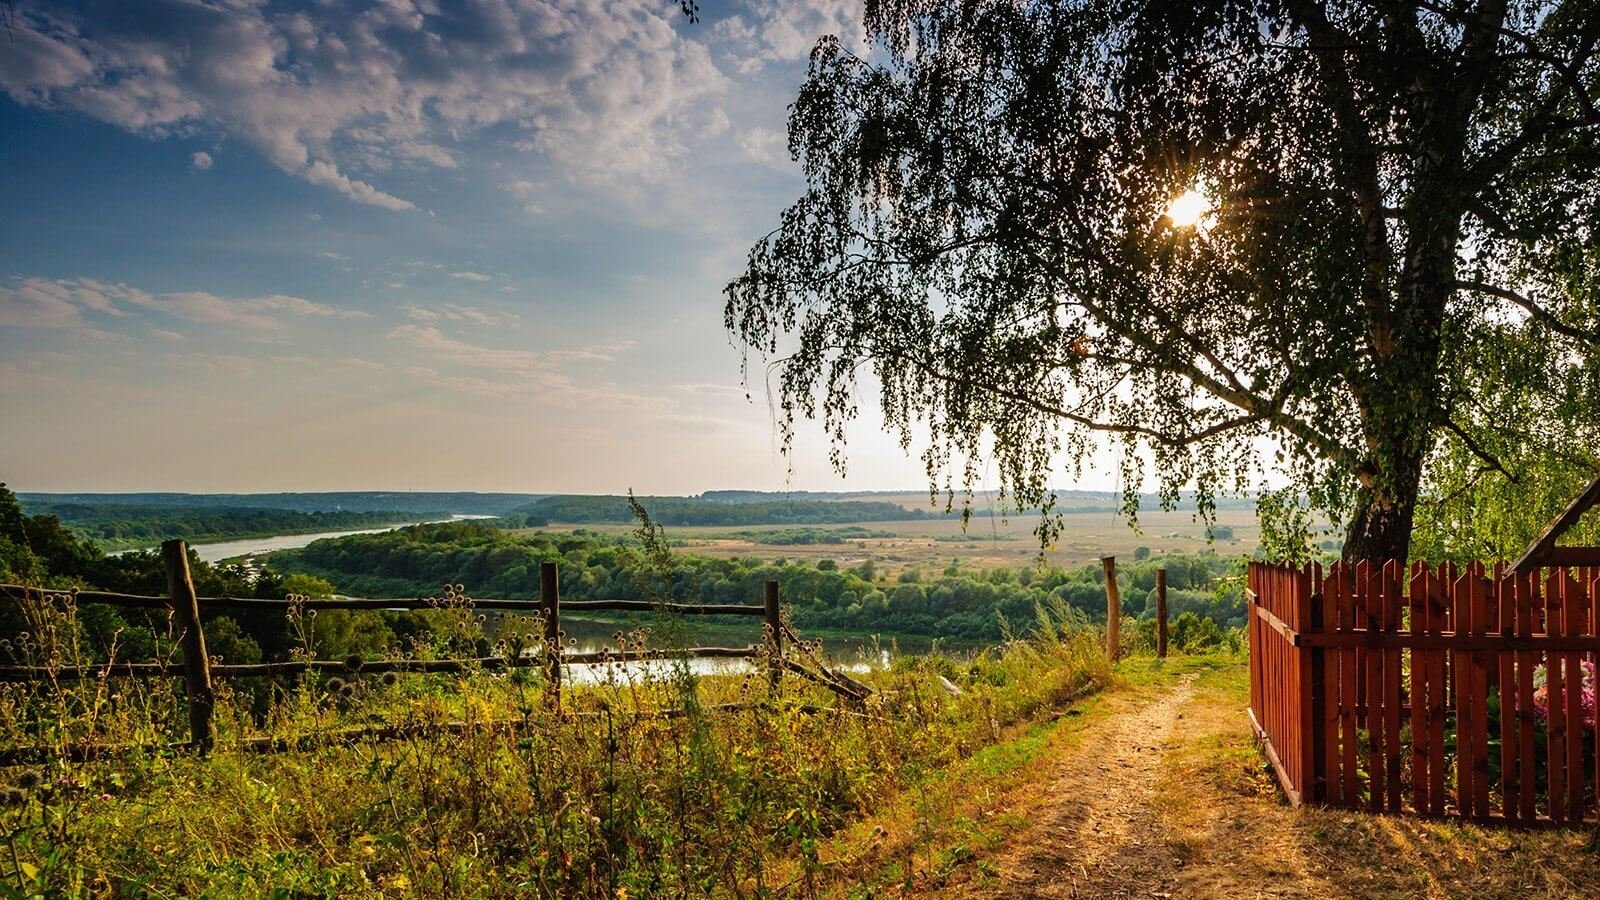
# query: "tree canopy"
1401,245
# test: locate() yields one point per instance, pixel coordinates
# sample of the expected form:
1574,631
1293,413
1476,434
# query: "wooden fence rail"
1448,691
198,671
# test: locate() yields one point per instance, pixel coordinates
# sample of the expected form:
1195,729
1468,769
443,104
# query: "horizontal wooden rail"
296,667
138,601
198,670
1440,640
688,609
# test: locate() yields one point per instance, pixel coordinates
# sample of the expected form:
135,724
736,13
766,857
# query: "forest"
116,526
952,602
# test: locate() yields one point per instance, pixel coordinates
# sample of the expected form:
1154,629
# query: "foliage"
1404,242
433,503
963,604
119,525
1544,454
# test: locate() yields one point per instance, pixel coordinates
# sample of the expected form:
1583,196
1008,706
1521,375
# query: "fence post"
1161,613
196,664
769,600
1113,609
550,601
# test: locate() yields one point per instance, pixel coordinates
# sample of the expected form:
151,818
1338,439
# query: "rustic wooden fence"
198,670
1443,691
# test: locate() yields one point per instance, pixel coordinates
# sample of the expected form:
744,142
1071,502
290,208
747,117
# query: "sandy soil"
1100,837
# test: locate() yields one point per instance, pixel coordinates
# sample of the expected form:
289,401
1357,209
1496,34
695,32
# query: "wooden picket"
1386,688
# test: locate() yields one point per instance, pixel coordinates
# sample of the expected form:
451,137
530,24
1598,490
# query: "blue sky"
429,245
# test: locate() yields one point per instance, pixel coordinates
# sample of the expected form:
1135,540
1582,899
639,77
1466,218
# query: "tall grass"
653,782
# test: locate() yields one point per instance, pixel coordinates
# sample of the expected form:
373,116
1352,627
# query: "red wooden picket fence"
1389,688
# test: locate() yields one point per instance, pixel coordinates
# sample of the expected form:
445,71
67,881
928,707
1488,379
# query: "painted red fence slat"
1572,624
1525,595
1555,710
1509,744
1420,687
1461,668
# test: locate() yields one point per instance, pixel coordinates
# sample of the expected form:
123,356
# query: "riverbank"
238,547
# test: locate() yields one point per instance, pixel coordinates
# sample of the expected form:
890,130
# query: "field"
986,542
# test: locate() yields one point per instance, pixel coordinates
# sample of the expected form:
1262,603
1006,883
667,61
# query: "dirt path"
1162,794
1099,836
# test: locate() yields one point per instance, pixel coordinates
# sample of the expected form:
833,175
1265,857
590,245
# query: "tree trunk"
1380,530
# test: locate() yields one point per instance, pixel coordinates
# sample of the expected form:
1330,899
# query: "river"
222,550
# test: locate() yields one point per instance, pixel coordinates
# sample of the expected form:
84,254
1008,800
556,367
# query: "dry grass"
985,543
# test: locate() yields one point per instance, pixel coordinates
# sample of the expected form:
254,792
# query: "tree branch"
1477,449
1540,314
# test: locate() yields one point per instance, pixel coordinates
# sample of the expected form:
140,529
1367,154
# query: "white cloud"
765,146
456,312
471,276
515,372
62,302
771,31
201,162
37,303
528,192
338,93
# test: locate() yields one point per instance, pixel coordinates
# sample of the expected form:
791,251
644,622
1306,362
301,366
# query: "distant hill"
709,508
426,502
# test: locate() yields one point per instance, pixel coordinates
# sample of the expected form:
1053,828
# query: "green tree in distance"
1402,239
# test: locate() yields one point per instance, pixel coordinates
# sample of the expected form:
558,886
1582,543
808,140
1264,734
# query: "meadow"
985,542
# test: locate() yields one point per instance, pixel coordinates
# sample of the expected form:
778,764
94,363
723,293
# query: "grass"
985,543
609,798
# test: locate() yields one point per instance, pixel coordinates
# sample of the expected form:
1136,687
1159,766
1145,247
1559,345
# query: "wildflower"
354,662
349,690
390,679
335,685
28,780
10,798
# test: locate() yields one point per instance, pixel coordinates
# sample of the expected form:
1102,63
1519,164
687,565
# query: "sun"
1188,209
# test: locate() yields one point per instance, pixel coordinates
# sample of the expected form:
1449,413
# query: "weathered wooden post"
550,602
769,599
196,664
1113,608
1161,613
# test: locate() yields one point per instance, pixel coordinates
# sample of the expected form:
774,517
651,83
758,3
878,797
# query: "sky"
264,246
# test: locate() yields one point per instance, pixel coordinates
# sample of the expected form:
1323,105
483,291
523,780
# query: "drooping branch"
1490,461
1161,437
1541,315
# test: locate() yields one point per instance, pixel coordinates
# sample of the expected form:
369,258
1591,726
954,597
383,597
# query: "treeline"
434,503
40,550
117,526
955,602
681,511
